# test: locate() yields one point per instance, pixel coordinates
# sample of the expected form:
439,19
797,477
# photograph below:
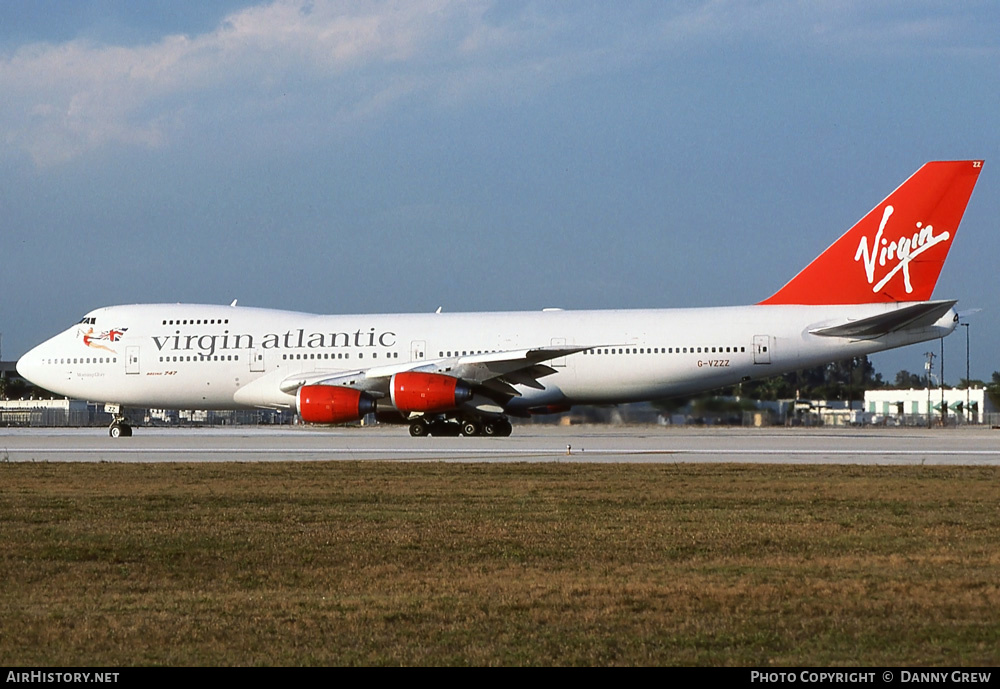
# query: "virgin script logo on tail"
902,250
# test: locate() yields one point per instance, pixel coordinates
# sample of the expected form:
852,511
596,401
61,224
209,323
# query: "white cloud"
63,100
353,61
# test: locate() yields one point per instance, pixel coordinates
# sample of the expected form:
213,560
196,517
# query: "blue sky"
344,157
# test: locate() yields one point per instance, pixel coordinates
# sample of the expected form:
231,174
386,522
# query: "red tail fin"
894,253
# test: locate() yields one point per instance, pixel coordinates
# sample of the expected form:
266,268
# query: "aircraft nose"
29,366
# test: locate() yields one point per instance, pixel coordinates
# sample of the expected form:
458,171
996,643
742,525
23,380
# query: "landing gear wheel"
470,428
419,429
491,428
502,427
120,430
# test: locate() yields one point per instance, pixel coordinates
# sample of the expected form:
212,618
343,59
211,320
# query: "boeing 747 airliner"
469,372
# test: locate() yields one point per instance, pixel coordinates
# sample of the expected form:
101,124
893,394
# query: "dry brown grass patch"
381,563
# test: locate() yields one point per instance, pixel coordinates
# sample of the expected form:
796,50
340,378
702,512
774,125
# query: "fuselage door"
132,360
257,361
418,350
762,349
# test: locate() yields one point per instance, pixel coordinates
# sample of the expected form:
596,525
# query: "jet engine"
332,404
414,391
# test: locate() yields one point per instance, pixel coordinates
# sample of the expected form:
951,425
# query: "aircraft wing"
495,371
914,316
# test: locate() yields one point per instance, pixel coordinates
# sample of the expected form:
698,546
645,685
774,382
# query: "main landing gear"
489,426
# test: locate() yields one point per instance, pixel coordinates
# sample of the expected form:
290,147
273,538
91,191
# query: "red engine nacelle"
332,404
427,392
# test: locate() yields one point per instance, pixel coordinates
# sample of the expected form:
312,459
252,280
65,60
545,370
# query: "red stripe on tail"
895,253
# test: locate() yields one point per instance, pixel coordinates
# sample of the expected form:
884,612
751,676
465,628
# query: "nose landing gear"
120,427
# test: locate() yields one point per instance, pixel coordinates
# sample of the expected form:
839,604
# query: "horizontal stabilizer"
914,316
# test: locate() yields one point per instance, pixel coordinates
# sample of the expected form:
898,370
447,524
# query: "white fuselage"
222,357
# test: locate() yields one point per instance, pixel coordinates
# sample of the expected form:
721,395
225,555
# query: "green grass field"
501,564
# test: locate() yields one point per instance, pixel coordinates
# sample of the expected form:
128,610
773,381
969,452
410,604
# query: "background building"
971,405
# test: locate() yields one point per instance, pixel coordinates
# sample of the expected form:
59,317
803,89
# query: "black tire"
419,429
491,428
470,428
120,430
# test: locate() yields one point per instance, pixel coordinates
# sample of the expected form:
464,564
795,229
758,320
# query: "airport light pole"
944,407
966,326
928,367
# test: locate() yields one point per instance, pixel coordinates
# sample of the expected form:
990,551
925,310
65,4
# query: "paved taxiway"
875,446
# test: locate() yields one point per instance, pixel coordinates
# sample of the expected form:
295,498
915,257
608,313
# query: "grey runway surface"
634,444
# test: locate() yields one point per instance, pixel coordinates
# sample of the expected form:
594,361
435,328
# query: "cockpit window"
92,320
